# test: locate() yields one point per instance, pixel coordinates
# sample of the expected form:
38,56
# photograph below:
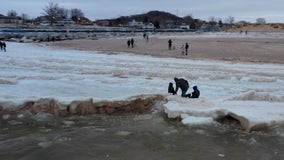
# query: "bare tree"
260,21
76,14
212,21
157,24
146,20
52,12
230,20
12,13
63,13
189,20
220,23
24,17
13,17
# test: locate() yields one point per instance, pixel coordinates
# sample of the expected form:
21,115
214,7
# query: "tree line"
53,12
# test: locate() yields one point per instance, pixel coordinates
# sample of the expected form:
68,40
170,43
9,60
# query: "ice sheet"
253,91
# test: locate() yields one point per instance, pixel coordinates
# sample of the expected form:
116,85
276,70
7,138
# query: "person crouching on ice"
194,94
182,84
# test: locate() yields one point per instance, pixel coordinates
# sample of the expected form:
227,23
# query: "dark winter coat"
182,84
186,46
171,88
195,93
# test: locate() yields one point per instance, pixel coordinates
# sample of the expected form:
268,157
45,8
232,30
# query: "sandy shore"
254,47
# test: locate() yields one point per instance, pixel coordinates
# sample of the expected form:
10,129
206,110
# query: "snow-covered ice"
253,93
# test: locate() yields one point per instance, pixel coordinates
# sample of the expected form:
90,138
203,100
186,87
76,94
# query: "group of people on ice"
184,48
130,42
182,84
3,46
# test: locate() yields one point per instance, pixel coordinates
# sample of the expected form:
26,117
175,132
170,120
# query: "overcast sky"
248,10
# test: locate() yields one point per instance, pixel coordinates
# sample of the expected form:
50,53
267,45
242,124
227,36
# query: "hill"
156,17
162,17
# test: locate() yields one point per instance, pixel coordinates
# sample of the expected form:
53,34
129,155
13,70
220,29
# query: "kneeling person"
194,94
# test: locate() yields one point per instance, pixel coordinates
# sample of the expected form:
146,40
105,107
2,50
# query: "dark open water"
146,137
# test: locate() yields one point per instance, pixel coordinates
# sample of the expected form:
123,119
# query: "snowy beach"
40,82
249,92
257,47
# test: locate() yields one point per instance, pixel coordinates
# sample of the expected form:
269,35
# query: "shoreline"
257,48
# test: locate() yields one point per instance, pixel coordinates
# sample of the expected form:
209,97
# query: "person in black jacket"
186,48
4,46
1,45
195,93
171,88
182,84
170,44
132,42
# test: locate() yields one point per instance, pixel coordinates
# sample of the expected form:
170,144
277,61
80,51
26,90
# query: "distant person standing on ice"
147,38
4,46
128,43
144,35
186,48
182,84
132,42
1,45
170,44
